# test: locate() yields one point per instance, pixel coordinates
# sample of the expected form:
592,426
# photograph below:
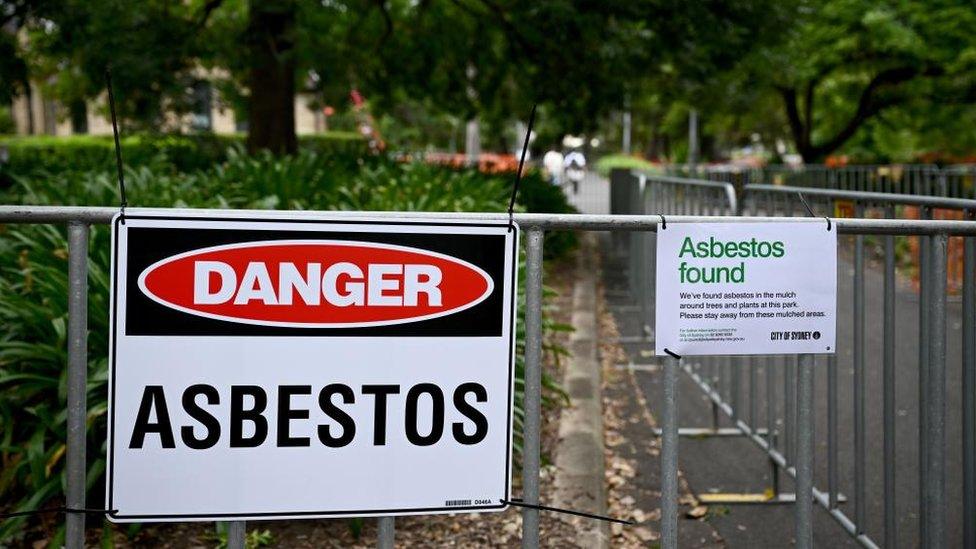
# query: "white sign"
274,365
746,288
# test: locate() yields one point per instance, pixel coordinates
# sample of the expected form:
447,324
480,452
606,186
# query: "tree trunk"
271,40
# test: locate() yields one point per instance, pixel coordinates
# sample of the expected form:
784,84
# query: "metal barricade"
738,386
955,181
797,463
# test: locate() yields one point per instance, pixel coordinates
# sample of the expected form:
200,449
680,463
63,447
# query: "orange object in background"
487,162
844,208
954,252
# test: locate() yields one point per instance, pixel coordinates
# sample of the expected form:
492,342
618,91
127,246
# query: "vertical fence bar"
386,532
969,389
804,453
935,487
77,389
735,387
753,401
533,388
771,422
770,411
789,409
924,291
890,518
236,533
669,456
860,428
832,430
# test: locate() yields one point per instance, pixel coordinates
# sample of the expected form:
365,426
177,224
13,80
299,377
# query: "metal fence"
772,412
797,462
958,181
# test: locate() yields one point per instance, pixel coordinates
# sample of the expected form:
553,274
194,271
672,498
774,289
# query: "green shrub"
625,162
33,281
27,155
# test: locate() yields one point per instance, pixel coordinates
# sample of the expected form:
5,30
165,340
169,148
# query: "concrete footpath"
580,483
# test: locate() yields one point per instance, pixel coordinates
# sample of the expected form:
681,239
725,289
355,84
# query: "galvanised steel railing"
79,219
957,180
721,378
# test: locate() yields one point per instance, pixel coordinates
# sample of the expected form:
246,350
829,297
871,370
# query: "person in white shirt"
552,161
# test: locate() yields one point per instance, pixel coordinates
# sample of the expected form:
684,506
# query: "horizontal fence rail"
957,180
698,202
763,397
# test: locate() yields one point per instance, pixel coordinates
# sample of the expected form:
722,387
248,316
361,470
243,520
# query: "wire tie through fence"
68,510
672,353
810,210
518,174
519,503
664,222
123,201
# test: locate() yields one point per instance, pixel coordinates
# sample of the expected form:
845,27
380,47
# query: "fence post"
386,532
969,389
924,303
804,452
934,491
533,388
888,367
236,534
860,423
669,456
77,382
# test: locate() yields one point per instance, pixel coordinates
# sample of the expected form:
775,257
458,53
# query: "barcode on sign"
457,502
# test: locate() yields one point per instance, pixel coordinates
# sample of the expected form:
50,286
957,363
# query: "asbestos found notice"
746,288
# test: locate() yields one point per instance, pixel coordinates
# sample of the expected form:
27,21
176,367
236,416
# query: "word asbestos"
154,419
716,249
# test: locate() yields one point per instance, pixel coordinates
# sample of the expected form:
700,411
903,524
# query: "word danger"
223,417
315,283
387,284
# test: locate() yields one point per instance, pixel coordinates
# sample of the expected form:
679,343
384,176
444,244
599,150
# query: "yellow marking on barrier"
736,498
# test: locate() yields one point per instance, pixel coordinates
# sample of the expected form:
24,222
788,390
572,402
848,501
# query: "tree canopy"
842,66
825,74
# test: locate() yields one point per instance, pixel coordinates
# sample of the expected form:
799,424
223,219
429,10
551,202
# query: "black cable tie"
810,210
520,503
67,510
664,222
518,174
123,201
672,353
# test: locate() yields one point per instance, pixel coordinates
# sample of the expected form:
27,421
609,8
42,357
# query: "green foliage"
863,74
450,59
623,162
6,121
181,153
33,280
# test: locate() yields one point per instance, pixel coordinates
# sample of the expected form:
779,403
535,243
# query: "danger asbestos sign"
275,365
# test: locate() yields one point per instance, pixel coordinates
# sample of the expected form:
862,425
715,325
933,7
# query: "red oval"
393,284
